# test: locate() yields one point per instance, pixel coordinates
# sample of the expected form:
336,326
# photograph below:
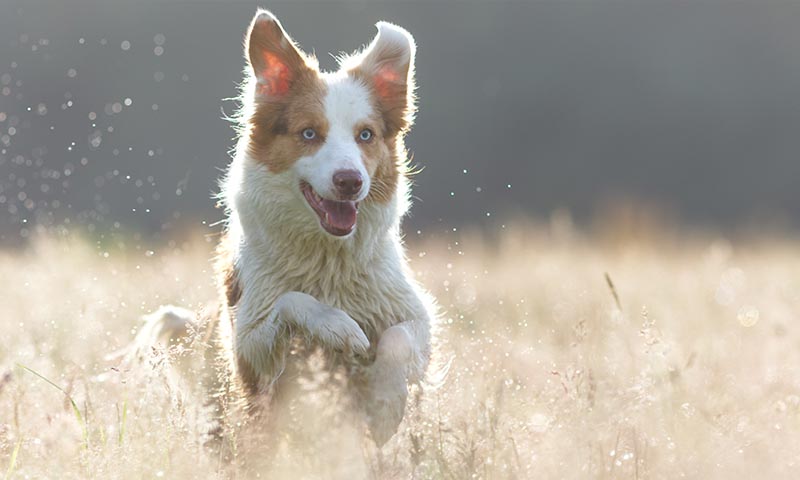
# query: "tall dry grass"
571,357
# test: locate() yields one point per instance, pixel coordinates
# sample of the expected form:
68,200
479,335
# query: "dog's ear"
276,61
387,65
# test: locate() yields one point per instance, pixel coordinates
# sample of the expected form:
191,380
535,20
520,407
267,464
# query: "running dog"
312,250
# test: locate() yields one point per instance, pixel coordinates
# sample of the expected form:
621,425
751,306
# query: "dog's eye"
309,134
365,135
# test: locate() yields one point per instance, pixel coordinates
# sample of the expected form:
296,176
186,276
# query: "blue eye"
365,135
309,134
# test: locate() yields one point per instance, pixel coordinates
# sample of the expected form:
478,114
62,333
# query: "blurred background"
111,112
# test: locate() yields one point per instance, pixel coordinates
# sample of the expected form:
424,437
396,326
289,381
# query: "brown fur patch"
277,124
389,73
247,376
395,104
391,166
230,291
227,275
288,96
275,59
382,159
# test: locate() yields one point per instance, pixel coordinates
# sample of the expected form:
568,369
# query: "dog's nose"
347,182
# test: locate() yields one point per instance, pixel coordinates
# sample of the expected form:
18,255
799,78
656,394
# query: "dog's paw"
385,404
339,331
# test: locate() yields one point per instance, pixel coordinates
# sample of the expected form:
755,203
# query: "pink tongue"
341,215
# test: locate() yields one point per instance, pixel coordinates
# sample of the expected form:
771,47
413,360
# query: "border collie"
311,259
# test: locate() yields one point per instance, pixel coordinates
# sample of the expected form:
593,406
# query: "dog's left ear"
387,66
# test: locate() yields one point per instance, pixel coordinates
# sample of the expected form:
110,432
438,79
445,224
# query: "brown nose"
347,182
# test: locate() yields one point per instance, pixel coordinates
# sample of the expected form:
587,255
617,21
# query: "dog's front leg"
401,357
257,331
330,326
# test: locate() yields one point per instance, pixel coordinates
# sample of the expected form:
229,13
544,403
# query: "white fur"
167,325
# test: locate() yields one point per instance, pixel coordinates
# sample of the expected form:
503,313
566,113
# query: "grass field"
687,367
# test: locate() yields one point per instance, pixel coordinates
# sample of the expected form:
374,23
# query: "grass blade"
75,408
122,421
13,462
613,291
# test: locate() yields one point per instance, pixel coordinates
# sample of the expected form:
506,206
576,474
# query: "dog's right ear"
276,61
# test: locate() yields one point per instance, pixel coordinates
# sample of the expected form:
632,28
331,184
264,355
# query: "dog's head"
330,140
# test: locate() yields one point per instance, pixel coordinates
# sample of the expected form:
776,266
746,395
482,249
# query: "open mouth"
337,217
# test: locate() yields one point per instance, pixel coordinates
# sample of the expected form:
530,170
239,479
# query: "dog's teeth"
327,218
